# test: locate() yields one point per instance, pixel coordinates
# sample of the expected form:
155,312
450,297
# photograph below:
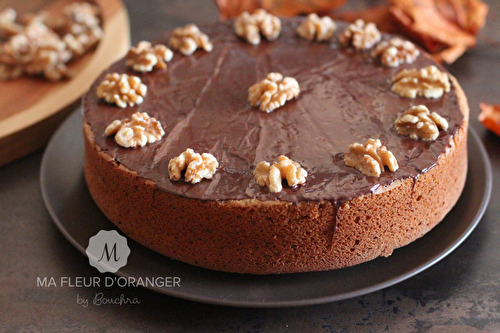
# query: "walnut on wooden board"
36,50
43,45
8,25
81,27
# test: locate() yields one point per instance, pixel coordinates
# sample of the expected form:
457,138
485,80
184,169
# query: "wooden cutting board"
32,108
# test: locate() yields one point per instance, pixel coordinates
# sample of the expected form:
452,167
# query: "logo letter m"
105,252
108,251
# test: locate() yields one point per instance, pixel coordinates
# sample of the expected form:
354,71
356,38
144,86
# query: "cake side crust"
267,237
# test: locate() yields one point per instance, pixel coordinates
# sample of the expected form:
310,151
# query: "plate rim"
44,169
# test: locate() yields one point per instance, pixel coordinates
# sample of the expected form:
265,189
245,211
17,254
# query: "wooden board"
32,108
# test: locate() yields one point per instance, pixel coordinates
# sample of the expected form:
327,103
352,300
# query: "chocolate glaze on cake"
202,104
338,218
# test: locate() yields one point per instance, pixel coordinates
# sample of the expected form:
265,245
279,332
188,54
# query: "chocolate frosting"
201,101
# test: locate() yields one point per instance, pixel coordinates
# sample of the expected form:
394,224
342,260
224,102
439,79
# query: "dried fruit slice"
490,117
445,28
233,8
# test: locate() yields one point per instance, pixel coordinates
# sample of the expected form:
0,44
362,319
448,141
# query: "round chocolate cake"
339,217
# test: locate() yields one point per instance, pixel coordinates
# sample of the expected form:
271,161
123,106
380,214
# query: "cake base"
268,237
339,218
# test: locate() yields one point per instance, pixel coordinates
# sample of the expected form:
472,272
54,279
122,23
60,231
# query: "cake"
338,218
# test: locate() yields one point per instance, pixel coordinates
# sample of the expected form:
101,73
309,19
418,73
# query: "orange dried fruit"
445,28
380,15
296,7
490,117
469,15
426,23
233,8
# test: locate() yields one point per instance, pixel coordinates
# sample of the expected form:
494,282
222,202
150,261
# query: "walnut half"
272,92
395,52
80,26
189,38
36,50
429,82
370,158
135,132
251,26
122,90
43,45
146,57
8,25
419,123
316,28
197,166
272,176
360,35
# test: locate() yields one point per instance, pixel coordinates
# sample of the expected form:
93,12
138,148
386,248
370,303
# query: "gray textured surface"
459,294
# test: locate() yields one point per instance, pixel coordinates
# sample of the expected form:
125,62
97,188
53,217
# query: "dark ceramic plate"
75,213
